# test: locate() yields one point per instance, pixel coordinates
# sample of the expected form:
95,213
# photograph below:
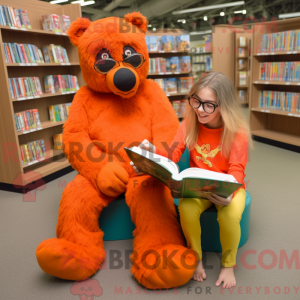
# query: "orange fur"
100,124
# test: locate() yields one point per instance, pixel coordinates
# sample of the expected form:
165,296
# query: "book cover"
13,16
3,16
12,95
5,53
17,122
61,112
185,63
21,119
40,56
57,113
43,147
26,123
16,54
24,161
168,44
46,54
7,15
170,85
28,54
11,53
65,54
153,43
47,22
52,113
26,18
56,23
242,41
174,65
36,117
190,183
24,53
186,84
27,154
18,18
183,42
65,22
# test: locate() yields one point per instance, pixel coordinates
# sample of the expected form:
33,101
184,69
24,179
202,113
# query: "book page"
168,164
205,174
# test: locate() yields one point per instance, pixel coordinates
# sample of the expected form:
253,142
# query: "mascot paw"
66,260
112,179
167,267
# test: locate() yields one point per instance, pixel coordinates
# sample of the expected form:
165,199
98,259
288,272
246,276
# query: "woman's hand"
220,200
136,170
146,145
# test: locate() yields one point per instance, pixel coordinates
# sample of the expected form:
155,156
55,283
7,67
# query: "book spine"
24,53
25,120
12,12
56,111
52,113
17,122
26,19
29,58
11,89
16,54
3,15
5,53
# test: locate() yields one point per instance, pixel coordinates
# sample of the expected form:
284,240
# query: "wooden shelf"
13,167
41,64
49,154
45,170
276,53
278,125
168,73
201,53
44,125
171,52
35,31
176,94
276,112
277,82
278,136
45,95
199,62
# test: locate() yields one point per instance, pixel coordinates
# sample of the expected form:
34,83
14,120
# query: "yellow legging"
229,218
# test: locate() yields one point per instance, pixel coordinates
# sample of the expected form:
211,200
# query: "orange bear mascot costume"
117,108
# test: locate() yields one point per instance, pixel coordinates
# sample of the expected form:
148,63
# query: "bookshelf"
243,40
10,139
273,124
177,97
223,45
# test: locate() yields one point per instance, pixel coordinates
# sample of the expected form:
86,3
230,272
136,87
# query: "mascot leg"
78,250
159,259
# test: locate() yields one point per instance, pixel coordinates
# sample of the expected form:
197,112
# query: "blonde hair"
232,115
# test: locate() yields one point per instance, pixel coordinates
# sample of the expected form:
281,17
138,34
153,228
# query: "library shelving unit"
277,127
243,64
223,48
174,32
10,139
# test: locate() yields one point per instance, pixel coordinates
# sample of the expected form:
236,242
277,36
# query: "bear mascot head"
116,49
119,107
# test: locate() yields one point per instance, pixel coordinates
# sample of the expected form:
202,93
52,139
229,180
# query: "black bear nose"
124,80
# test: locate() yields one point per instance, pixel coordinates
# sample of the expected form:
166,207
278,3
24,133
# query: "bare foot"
227,276
199,273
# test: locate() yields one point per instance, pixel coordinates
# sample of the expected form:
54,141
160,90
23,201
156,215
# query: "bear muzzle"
123,81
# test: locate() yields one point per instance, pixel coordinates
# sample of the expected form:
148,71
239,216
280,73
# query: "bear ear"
77,29
137,19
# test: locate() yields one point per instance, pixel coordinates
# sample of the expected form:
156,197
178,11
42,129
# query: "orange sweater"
207,155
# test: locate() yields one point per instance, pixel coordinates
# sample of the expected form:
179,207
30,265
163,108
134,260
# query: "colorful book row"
170,64
13,17
208,42
59,112
280,41
168,43
33,152
27,121
24,87
22,53
280,71
176,85
60,83
284,101
56,23
55,54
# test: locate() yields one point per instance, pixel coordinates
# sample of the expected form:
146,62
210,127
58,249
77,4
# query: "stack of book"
280,41
52,22
168,43
170,64
33,152
284,101
27,121
13,17
60,83
55,54
22,53
175,85
59,112
201,58
280,71
25,87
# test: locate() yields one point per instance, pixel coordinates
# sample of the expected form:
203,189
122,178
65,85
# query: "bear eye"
127,51
104,55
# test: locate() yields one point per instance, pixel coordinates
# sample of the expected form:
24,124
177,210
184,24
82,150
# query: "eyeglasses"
103,66
196,103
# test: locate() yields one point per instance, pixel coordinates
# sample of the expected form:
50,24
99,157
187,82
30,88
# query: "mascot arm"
165,122
83,155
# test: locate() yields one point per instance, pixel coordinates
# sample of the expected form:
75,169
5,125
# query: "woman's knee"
228,216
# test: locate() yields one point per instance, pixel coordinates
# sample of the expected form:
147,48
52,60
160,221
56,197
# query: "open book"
190,183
